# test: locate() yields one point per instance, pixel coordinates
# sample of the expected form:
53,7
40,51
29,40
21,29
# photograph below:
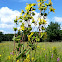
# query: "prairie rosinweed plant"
26,19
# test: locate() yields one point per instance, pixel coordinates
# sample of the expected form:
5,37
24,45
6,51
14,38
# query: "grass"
43,48
5,49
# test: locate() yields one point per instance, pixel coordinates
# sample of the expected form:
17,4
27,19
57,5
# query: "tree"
1,36
53,31
8,37
61,34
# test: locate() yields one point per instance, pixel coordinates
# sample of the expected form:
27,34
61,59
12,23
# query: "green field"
43,48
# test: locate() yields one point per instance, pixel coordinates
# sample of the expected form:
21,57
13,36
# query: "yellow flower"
29,37
28,56
22,11
42,21
38,0
32,33
53,48
50,3
39,4
9,57
26,60
33,21
43,5
22,28
32,58
14,55
38,46
0,55
44,49
50,51
25,15
33,4
28,7
17,60
52,9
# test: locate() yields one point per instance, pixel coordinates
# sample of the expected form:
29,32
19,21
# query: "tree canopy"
53,31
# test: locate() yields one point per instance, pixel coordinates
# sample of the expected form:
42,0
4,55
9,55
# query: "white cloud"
5,32
58,19
48,22
1,30
6,26
8,15
61,27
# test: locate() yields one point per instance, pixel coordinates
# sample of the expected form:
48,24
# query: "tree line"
6,37
53,33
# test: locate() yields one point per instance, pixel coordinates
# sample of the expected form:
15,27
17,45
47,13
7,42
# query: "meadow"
45,52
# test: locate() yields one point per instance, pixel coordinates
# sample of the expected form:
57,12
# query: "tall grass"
45,52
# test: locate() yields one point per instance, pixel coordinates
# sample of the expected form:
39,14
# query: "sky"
9,9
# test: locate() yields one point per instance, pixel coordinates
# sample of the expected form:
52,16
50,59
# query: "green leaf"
43,28
15,29
42,34
33,37
17,40
33,9
27,52
20,17
17,49
33,47
41,14
20,21
13,38
33,21
21,55
20,44
15,21
45,14
25,18
37,39
33,13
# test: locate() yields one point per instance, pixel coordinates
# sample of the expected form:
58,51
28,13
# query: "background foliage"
53,34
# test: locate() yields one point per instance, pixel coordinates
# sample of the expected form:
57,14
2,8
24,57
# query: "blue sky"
9,9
